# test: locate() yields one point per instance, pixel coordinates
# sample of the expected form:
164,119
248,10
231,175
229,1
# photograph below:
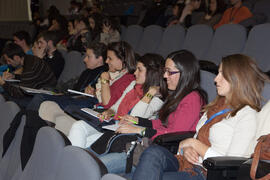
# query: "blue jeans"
157,163
63,101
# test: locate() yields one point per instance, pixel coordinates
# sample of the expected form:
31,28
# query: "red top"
234,16
184,118
118,87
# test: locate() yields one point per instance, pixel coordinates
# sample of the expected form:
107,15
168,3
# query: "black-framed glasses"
170,73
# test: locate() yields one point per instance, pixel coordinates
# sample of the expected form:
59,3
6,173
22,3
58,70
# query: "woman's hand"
128,119
129,128
105,75
191,155
7,75
106,115
195,144
89,90
154,90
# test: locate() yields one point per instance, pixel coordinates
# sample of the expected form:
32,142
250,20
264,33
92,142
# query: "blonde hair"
246,81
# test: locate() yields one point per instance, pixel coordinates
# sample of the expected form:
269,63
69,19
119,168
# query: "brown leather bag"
262,152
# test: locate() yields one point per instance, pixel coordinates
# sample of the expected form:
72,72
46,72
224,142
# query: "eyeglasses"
170,73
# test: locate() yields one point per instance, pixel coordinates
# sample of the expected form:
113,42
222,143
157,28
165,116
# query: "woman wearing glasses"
180,111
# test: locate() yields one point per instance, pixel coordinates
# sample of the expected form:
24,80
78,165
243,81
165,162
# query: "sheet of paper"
90,111
111,127
93,113
78,92
36,91
12,80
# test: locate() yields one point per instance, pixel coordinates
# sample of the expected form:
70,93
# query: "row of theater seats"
205,43
52,158
199,39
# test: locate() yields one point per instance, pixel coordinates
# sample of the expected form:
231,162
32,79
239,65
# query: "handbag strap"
255,161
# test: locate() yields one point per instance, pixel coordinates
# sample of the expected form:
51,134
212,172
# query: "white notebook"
93,113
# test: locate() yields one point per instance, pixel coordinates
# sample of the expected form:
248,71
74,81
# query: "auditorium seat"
257,45
133,35
74,66
228,39
150,40
77,163
43,163
172,40
198,39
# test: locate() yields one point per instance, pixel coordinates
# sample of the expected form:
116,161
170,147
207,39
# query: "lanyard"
217,114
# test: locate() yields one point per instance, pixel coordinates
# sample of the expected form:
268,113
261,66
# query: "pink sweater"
184,118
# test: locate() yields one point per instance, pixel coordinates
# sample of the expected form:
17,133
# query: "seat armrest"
170,137
223,162
171,140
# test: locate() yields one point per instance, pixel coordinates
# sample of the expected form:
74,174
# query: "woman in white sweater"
142,97
226,128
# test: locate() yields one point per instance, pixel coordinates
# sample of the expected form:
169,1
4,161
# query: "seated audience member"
180,111
226,128
176,13
94,61
141,98
47,51
111,84
95,23
36,73
110,31
189,13
81,38
23,39
235,14
213,13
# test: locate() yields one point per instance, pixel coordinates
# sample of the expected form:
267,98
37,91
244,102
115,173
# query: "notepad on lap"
93,113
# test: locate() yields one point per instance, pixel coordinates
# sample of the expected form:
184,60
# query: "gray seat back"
258,44
74,65
43,163
11,161
76,163
228,39
150,40
266,93
198,39
112,177
133,35
8,110
208,84
172,40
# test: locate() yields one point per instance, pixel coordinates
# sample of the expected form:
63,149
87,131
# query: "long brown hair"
246,81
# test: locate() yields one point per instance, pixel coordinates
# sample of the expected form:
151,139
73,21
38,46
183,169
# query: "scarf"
129,101
203,134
